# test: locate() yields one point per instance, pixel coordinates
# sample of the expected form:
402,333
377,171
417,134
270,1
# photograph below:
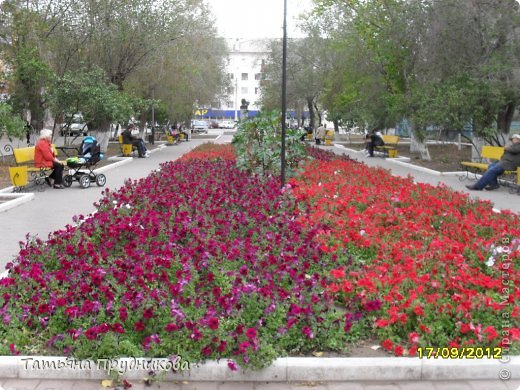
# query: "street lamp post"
236,98
284,91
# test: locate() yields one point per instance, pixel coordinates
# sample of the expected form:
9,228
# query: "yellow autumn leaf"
318,354
107,383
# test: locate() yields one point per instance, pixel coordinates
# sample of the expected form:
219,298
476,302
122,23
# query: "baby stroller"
89,154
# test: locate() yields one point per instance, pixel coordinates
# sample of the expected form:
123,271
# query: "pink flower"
232,365
251,333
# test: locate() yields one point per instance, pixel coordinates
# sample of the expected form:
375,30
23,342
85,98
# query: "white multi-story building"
245,71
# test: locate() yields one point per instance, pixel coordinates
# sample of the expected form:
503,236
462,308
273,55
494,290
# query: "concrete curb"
15,199
288,369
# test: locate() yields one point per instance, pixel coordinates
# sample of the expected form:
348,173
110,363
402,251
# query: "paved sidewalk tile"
416,385
236,386
89,385
512,384
56,385
344,385
382,386
487,385
443,385
19,384
274,386
309,386
199,386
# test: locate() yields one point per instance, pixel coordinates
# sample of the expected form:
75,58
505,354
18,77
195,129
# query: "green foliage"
11,125
90,93
29,78
258,145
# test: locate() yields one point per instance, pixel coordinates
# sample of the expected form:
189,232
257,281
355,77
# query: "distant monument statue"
244,104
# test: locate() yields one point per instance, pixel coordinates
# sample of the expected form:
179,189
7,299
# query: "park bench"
25,172
390,147
329,137
488,155
126,149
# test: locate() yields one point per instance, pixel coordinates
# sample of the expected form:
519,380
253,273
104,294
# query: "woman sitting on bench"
44,157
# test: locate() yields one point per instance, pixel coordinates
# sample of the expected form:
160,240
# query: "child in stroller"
89,154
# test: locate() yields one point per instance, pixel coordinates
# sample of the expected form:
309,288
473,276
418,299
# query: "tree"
11,125
306,64
100,102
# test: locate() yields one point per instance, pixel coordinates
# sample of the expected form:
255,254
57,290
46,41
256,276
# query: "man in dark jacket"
128,138
510,161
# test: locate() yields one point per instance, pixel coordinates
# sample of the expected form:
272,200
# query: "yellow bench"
390,146
489,153
126,149
25,172
329,137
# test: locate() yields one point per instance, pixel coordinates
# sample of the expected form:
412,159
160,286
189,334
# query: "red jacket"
43,154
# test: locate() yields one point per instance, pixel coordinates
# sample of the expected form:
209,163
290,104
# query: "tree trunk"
477,148
336,125
417,144
311,113
103,136
505,117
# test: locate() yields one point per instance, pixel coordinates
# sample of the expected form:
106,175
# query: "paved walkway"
50,210
405,385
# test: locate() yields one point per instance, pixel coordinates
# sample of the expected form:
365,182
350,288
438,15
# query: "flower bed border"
287,370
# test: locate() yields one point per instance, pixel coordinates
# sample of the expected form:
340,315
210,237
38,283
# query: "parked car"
227,124
74,126
199,126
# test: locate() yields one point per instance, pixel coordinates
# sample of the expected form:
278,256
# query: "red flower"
139,326
418,310
251,333
232,365
492,333
123,314
338,273
398,350
213,323
118,328
387,344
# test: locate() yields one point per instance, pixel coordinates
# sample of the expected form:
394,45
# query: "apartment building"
244,69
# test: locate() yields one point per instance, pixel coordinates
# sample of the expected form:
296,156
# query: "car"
74,126
199,126
227,124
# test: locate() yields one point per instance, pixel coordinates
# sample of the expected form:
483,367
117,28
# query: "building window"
244,76
244,90
258,76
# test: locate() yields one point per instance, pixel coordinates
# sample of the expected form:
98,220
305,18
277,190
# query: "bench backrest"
390,139
23,155
26,155
492,152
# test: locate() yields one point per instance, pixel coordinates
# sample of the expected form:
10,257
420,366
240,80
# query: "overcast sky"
256,18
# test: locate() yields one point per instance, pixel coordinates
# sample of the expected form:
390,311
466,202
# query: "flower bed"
442,269
205,261
201,261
